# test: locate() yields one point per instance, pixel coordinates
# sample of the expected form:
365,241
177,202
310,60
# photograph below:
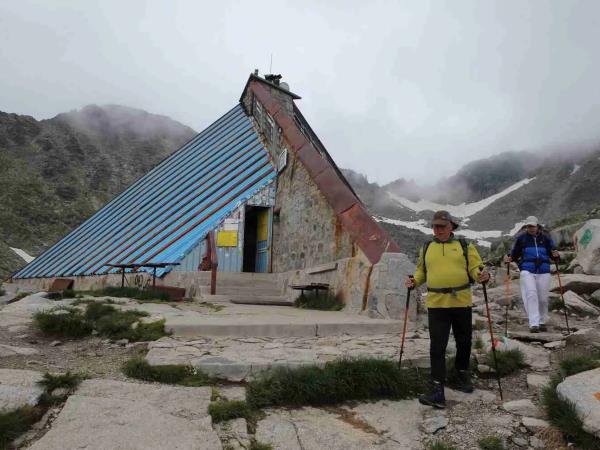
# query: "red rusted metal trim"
370,237
247,155
202,219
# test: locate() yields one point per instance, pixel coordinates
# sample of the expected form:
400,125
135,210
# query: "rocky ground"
111,411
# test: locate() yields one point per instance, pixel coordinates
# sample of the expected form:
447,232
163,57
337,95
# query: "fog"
410,89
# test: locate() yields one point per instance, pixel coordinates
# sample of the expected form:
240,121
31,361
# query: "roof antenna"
271,65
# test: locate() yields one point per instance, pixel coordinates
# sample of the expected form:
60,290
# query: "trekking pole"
487,308
562,297
507,292
405,322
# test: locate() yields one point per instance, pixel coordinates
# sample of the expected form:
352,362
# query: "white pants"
534,290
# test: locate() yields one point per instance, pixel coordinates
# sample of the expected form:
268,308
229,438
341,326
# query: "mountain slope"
55,173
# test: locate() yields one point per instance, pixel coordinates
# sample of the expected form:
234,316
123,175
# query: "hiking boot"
534,329
435,397
461,381
543,327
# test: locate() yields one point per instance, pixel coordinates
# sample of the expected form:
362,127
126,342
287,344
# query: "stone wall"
307,232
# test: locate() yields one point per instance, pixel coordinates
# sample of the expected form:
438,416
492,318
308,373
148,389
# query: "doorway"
256,239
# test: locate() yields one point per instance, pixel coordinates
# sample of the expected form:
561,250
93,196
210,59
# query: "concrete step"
247,299
241,279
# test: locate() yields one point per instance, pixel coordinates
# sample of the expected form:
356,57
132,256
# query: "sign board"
227,238
282,160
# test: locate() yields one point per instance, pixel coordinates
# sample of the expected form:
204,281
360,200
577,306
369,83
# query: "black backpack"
465,248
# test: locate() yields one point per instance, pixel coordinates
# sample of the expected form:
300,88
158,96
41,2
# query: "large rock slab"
106,414
583,390
587,244
535,337
578,283
578,305
523,407
535,357
317,429
19,388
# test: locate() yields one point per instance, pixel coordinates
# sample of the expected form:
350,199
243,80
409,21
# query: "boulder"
587,244
19,388
537,381
583,390
534,425
578,283
524,407
586,336
578,305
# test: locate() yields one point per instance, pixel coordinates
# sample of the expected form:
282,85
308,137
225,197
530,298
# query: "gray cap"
443,217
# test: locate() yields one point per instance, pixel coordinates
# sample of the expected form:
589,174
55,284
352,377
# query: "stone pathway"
237,359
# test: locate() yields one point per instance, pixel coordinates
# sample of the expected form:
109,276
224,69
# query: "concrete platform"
272,321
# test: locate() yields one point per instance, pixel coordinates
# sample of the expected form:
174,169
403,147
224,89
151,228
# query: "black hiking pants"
440,322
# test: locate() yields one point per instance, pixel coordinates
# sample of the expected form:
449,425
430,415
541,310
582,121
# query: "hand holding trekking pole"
410,283
562,297
487,308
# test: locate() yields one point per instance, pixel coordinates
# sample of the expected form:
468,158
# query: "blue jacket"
533,253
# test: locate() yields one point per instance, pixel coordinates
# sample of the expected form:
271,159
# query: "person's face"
532,229
442,232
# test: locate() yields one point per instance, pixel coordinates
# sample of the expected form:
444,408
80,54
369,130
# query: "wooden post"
122,277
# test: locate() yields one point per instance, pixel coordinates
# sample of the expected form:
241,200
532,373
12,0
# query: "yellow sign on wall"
263,225
227,239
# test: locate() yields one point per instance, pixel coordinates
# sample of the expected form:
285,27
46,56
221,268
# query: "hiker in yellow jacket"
449,266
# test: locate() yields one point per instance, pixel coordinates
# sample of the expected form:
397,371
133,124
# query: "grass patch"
478,343
323,301
509,361
223,410
16,422
20,295
68,381
479,325
168,374
212,306
491,443
130,292
440,445
254,445
555,304
107,320
573,364
63,322
336,382
563,415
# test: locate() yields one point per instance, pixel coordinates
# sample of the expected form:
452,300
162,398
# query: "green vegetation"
509,361
322,301
491,443
563,415
168,374
223,410
130,292
2,291
260,446
555,303
478,343
68,381
68,321
16,422
440,445
573,364
336,382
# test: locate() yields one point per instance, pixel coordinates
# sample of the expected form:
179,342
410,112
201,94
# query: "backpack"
465,248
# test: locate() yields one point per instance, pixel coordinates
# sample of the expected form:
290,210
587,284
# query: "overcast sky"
394,89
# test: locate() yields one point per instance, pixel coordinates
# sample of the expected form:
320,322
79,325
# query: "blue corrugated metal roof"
167,212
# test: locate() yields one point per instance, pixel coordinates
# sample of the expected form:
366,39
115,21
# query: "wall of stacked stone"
307,232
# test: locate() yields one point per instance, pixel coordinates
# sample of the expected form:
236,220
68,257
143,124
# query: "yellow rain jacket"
447,268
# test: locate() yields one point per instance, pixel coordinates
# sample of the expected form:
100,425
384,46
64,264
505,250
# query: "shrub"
509,361
168,374
105,319
223,410
254,445
491,443
16,422
336,382
322,301
68,381
63,322
573,364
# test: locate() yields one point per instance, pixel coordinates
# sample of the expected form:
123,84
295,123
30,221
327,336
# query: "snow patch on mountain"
464,209
422,226
23,254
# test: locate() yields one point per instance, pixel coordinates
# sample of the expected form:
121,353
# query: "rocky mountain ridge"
55,173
